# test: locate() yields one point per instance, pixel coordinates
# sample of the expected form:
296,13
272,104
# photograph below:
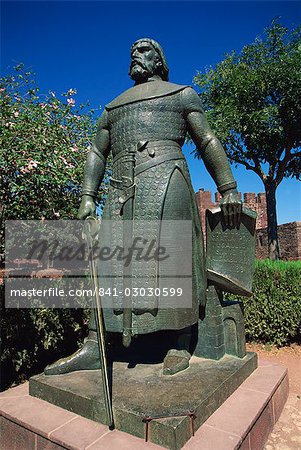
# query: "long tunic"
149,120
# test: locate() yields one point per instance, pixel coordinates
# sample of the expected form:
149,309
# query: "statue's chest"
153,119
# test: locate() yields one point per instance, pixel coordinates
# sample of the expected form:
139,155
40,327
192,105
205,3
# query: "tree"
44,144
253,102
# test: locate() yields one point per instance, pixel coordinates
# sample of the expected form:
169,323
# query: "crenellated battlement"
289,234
255,202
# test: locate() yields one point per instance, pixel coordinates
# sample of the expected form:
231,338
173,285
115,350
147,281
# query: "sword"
127,214
91,228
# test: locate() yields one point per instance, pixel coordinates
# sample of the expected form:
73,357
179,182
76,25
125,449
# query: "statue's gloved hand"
231,207
87,208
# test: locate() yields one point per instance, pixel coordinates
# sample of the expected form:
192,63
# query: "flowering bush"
44,143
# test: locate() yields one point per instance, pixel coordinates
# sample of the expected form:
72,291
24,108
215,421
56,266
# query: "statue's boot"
86,358
175,361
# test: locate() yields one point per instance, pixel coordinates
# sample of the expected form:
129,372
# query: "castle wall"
289,238
255,202
289,234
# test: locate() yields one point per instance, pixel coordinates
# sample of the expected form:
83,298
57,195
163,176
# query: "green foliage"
252,100
273,313
44,144
33,338
279,265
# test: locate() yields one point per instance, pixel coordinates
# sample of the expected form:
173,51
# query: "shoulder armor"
145,91
191,101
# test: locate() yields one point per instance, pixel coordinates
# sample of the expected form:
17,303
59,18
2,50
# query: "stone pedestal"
243,422
221,331
143,391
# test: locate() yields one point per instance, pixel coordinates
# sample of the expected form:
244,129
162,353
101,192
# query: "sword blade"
100,328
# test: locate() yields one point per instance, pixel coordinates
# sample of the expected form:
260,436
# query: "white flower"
32,163
71,92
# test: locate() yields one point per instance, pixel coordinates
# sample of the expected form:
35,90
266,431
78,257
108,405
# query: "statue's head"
147,60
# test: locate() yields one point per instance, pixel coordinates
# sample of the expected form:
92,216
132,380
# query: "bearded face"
144,62
139,72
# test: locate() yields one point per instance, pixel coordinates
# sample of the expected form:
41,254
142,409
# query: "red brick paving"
243,421
286,434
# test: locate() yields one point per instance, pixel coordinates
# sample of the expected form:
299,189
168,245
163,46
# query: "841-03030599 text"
142,292
109,292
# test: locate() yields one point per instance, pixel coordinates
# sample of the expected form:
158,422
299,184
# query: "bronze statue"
145,128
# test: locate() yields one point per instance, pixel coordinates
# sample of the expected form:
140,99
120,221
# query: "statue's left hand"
231,207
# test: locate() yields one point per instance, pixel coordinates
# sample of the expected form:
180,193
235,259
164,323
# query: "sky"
86,45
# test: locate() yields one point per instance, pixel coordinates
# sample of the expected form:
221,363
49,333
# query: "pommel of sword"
91,228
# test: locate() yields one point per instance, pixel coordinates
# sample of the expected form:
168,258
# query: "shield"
230,254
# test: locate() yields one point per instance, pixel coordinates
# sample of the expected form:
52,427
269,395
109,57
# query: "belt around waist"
170,156
174,155
149,146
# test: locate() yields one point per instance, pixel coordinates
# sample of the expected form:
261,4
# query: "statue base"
143,392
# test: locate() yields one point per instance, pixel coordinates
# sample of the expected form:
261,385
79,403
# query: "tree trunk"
273,246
